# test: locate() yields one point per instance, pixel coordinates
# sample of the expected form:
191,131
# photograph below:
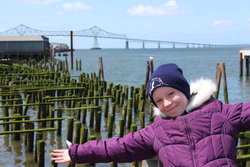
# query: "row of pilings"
41,103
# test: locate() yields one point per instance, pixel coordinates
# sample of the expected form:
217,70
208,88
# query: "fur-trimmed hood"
201,90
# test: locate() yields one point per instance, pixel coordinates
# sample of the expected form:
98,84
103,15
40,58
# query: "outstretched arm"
61,156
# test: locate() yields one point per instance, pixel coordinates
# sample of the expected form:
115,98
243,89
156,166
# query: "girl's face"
170,101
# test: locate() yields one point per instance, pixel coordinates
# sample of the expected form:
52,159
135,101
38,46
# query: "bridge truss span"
96,32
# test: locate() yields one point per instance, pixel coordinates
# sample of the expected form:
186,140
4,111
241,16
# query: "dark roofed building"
24,47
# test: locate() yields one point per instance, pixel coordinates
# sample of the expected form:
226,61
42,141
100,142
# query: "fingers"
59,160
58,157
56,154
60,151
68,143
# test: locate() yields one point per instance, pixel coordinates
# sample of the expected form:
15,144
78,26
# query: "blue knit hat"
168,75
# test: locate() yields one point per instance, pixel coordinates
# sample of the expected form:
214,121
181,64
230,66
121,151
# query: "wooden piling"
142,120
80,65
30,138
224,83
91,117
121,127
84,115
129,117
124,113
241,64
51,115
218,79
98,121
247,65
16,126
110,125
70,128
40,153
77,131
221,72
59,122
106,107
39,136
101,71
84,135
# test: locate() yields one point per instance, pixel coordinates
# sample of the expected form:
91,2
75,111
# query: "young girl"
191,128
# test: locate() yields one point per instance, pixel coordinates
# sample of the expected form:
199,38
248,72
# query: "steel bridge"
96,32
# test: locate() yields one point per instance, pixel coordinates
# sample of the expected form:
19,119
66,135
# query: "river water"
128,67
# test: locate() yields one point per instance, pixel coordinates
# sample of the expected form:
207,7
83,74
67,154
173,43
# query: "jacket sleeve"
239,114
134,146
245,117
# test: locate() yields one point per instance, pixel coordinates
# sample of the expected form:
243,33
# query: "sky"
207,21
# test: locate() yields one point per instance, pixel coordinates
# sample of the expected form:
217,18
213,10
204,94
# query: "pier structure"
244,55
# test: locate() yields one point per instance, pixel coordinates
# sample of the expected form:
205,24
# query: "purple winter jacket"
205,137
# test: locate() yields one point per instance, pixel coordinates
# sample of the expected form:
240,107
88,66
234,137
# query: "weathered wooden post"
224,83
106,107
218,79
110,125
30,137
91,117
59,122
142,120
84,115
70,128
121,127
71,49
98,121
101,73
221,72
129,118
247,65
80,65
39,136
6,114
77,130
40,153
84,134
16,126
241,64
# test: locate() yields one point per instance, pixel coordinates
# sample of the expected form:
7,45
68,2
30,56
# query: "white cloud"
43,2
168,8
75,6
146,11
222,23
171,3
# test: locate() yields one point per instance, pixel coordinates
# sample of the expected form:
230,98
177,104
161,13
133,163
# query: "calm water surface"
128,67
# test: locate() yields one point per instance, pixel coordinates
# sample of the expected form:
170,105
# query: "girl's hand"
61,156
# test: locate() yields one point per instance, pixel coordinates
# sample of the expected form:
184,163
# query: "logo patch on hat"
156,82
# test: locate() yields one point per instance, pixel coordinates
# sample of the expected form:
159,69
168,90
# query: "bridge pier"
159,45
173,45
143,45
95,43
126,45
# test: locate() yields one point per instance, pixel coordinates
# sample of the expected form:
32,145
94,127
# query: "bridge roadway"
96,32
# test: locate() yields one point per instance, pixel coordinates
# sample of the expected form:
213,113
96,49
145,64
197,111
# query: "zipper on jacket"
190,142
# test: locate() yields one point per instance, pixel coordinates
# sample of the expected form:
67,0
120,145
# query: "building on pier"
24,47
